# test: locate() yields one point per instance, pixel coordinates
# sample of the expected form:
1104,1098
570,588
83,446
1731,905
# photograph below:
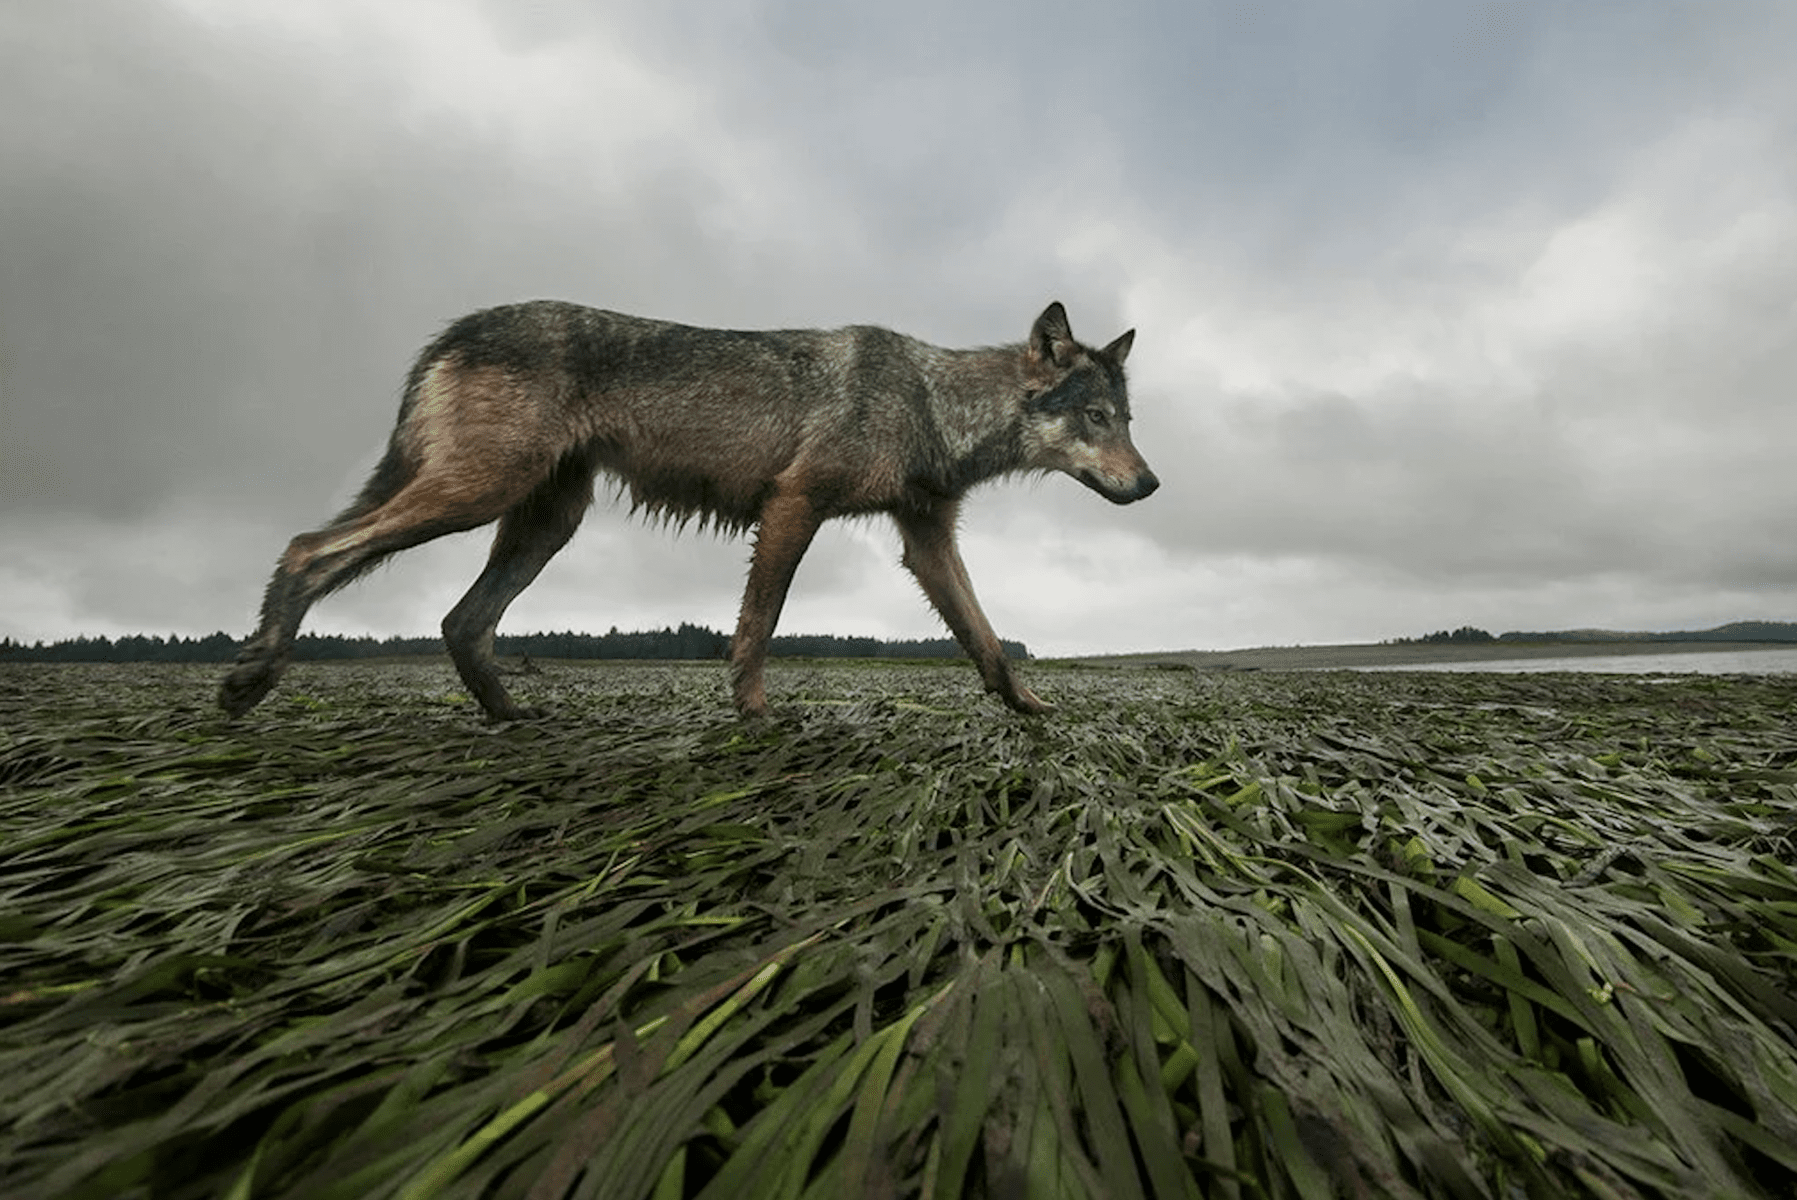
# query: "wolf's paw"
1027,702
751,703
245,687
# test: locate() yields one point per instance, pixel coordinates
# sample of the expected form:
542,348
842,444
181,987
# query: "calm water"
1700,662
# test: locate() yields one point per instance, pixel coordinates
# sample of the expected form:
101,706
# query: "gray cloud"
1446,312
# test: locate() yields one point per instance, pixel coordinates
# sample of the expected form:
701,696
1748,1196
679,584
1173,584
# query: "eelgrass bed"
1308,935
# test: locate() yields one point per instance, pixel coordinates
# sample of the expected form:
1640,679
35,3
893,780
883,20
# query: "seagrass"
1242,935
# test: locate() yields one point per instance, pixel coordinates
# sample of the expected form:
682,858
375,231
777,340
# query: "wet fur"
512,412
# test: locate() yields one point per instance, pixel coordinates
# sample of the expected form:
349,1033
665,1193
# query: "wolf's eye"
1097,417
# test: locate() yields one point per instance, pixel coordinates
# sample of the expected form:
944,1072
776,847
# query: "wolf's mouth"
1144,486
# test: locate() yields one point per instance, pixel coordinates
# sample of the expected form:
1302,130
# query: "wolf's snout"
1145,486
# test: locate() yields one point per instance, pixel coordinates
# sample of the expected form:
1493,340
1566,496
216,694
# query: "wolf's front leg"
931,556
788,523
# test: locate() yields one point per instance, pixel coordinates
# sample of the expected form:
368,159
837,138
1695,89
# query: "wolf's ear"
1051,340
1118,350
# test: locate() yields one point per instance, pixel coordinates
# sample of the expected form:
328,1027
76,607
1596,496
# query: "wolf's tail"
395,470
399,465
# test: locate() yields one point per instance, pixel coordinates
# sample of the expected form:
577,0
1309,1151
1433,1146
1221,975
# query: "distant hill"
1734,631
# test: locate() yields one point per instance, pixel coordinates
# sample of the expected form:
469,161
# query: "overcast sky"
1446,313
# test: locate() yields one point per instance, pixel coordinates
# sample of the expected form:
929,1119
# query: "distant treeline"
683,642
1737,631
1461,636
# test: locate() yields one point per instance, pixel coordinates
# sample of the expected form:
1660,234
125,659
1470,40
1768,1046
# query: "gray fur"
510,413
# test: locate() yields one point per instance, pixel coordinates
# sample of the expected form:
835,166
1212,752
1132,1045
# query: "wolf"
512,413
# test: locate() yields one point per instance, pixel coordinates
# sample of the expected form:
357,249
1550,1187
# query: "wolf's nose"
1145,487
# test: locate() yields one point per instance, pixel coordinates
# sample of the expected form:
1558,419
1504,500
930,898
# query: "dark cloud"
1469,312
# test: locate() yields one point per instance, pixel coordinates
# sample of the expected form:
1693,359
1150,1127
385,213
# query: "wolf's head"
1076,411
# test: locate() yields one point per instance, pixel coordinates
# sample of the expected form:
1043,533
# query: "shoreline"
1419,655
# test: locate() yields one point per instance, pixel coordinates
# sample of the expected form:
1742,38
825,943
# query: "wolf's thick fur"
511,413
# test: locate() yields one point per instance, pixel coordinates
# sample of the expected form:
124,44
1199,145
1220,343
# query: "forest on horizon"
1734,631
685,641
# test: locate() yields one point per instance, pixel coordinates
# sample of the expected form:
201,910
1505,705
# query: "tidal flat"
1196,934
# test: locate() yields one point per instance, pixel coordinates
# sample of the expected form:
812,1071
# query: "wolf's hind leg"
313,565
529,536
264,655
318,563
788,523
931,556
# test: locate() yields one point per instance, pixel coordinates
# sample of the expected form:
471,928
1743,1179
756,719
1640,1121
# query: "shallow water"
1698,662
